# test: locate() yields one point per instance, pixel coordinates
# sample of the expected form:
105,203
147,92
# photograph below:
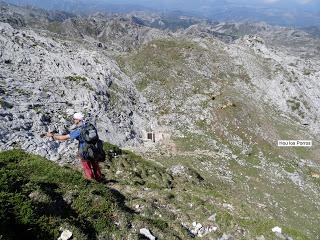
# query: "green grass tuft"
37,197
4,104
76,78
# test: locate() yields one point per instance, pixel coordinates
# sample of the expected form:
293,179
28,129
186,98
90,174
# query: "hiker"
90,166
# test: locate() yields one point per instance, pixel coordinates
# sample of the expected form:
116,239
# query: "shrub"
76,78
5,105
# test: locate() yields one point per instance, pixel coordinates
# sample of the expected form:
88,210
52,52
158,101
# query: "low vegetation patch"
4,104
76,78
38,197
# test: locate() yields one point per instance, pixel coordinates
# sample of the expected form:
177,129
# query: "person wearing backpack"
90,146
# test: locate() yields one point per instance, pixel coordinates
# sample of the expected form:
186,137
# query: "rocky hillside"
226,105
214,97
44,80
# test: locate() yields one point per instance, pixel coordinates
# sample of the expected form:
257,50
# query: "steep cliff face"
214,98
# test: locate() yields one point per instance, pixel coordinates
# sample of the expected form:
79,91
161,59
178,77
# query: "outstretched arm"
59,137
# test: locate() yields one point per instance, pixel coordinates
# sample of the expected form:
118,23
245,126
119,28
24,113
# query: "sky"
194,5
283,12
310,5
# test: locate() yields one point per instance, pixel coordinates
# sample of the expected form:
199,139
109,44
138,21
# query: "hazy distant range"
280,12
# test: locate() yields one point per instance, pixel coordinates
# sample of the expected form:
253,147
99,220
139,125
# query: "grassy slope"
192,197
38,197
259,184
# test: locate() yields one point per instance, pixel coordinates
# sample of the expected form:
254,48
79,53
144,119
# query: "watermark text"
294,143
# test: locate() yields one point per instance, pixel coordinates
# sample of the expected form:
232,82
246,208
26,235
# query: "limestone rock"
146,232
65,235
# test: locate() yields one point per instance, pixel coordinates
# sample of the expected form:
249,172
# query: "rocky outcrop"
44,81
286,80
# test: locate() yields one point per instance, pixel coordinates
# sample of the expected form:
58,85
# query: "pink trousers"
91,170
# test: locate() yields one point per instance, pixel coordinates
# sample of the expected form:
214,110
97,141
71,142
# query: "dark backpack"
92,146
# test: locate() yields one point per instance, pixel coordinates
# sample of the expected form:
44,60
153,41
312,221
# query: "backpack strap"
81,131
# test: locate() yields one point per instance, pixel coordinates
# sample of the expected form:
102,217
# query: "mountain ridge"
216,97
277,13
